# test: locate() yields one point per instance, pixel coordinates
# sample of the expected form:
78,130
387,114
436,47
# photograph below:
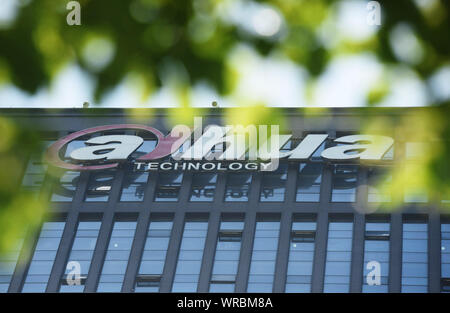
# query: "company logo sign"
214,148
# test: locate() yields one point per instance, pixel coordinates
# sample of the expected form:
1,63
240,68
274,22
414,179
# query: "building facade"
309,226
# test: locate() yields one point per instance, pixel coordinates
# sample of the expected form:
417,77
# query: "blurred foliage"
20,209
426,170
179,43
146,37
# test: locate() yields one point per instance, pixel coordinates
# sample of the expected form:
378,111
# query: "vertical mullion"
357,259
100,251
69,233
283,252
24,260
248,234
326,188
63,252
357,262
291,183
434,253
219,194
185,189
395,261
208,254
172,252
104,233
136,251
322,229
141,234
246,252
320,252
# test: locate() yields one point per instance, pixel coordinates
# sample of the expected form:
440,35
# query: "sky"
273,79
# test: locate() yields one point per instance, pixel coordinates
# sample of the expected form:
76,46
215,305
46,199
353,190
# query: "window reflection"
389,155
273,184
82,252
415,255
317,155
445,255
203,187
33,178
415,195
265,246
226,259
43,258
74,145
154,254
34,175
379,183
344,183
8,262
301,254
168,186
64,189
376,248
414,150
99,186
237,187
190,255
308,182
116,260
339,255
133,188
147,146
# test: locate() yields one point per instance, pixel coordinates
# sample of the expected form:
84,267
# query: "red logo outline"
164,147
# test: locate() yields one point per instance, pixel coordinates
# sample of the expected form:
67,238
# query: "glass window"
8,262
168,186
74,145
147,146
415,256
133,188
344,183
389,154
301,255
339,256
99,186
415,195
273,184
308,182
287,146
413,192
43,258
190,256
376,248
203,187
226,260
35,171
154,255
64,189
116,261
414,150
265,246
83,248
34,175
379,186
237,187
445,255
317,155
